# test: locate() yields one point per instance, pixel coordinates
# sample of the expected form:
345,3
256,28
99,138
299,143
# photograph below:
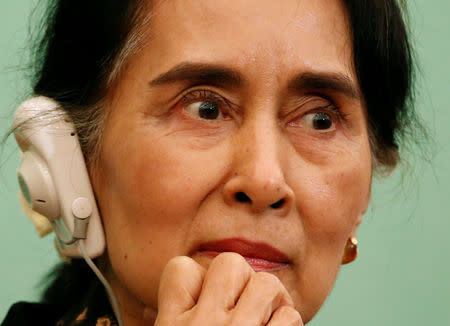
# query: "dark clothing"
93,310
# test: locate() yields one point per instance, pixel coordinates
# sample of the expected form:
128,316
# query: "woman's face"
238,119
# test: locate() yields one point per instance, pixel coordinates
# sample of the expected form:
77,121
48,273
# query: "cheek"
159,186
170,179
333,187
330,200
341,195
151,192
330,203
338,197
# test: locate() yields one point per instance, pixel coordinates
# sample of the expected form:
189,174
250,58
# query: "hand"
228,293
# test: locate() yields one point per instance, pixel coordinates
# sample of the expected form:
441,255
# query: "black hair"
384,66
78,44
67,278
81,40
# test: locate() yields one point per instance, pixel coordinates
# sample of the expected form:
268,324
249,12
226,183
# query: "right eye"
205,105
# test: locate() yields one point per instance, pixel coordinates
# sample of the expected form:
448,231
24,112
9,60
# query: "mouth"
259,255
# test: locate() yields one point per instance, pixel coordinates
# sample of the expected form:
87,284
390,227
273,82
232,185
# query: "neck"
133,311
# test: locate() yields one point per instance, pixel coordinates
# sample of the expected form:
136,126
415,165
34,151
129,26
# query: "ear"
363,211
356,225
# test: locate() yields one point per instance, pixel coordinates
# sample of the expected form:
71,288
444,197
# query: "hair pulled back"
84,44
80,48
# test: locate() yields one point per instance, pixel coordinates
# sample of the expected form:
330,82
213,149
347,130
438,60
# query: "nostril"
278,204
242,197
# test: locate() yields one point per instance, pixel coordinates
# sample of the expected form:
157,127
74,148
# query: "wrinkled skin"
167,177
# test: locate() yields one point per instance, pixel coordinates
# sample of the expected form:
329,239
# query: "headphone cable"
109,291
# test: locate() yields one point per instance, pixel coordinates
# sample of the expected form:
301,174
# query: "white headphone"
53,177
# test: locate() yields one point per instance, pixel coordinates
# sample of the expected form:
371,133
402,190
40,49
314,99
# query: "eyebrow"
201,72
338,82
216,74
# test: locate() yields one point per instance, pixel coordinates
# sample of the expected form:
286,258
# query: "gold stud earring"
351,250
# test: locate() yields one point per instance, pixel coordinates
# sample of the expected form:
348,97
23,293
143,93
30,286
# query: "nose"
257,179
259,194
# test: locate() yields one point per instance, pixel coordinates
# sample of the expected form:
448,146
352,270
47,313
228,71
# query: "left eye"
319,121
205,109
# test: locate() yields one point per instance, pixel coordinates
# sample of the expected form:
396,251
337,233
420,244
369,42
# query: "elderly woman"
230,146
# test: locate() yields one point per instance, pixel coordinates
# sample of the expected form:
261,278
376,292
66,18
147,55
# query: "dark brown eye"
321,121
205,109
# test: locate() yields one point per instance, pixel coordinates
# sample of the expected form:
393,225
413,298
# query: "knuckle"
269,280
291,315
271,288
178,264
230,259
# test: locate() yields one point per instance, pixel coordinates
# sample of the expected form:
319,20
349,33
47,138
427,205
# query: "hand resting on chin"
229,292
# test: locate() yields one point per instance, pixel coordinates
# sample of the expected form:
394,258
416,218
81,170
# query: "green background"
402,276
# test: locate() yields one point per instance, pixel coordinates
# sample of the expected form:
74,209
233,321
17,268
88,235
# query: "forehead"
252,35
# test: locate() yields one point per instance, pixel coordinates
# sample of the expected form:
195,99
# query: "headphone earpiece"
53,177
37,186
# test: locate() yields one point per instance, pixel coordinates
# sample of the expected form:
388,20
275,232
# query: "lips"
259,255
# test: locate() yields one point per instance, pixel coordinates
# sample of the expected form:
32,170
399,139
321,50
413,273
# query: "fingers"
263,296
180,286
229,292
286,316
224,282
